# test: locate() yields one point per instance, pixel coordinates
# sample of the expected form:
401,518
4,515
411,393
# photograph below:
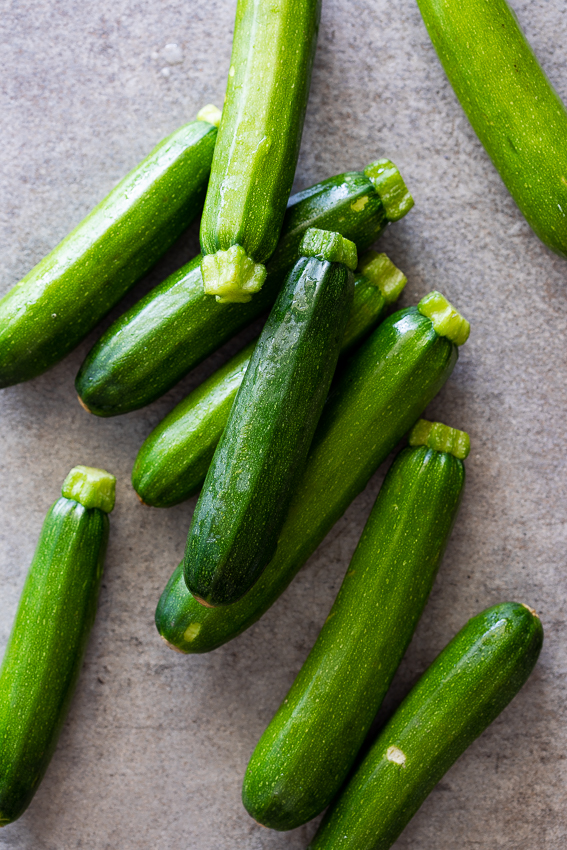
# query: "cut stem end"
210,113
441,438
391,189
445,319
329,245
231,276
92,488
382,273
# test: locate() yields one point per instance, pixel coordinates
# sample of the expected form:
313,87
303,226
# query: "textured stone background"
155,746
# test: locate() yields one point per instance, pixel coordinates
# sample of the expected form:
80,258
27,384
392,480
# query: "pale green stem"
441,438
329,245
381,272
445,319
93,488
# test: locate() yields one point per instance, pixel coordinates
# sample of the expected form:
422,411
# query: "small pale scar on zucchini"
395,755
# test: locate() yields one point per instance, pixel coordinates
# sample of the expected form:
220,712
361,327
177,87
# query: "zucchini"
463,691
61,299
263,449
512,106
175,326
378,397
304,755
254,164
50,633
173,461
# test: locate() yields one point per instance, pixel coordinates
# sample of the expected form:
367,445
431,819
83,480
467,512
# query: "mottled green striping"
510,103
260,132
263,449
173,461
380,394
60,300
307,750
463,691
175,326
46,647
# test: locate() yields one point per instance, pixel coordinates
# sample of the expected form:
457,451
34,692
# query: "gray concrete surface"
155,746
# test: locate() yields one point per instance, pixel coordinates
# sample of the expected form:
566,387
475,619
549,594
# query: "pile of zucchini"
279,441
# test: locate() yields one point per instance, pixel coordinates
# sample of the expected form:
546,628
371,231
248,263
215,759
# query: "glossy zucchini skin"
61,299
173,461
379,395
46,647
463,691
263,449
305,753
175,326
510,103
266,97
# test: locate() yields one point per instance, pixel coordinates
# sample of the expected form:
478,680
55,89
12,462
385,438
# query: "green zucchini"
173,461
263,449
304,755
512,106
253,167
50,633
175,326
377,398
61,299
463,691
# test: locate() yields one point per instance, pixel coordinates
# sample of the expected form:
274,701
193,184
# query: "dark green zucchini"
50,633
173,461
263,449
378,397
304,755
254,164
463,691
59,301
512,106
170,331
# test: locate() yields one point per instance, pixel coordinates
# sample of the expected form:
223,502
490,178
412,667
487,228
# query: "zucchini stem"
92,488
210,113
231,276
390,186
382,273
445,319
329,245
441,438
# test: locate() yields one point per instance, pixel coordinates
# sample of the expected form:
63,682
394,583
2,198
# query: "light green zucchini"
304,755
512,106
61,299
463,691
254,164
50,633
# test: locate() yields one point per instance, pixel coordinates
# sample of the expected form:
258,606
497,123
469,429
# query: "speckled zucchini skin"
310,745
463,691
260,133
46,647
379,395
262,452
512,106
173,461
175,326
60,300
